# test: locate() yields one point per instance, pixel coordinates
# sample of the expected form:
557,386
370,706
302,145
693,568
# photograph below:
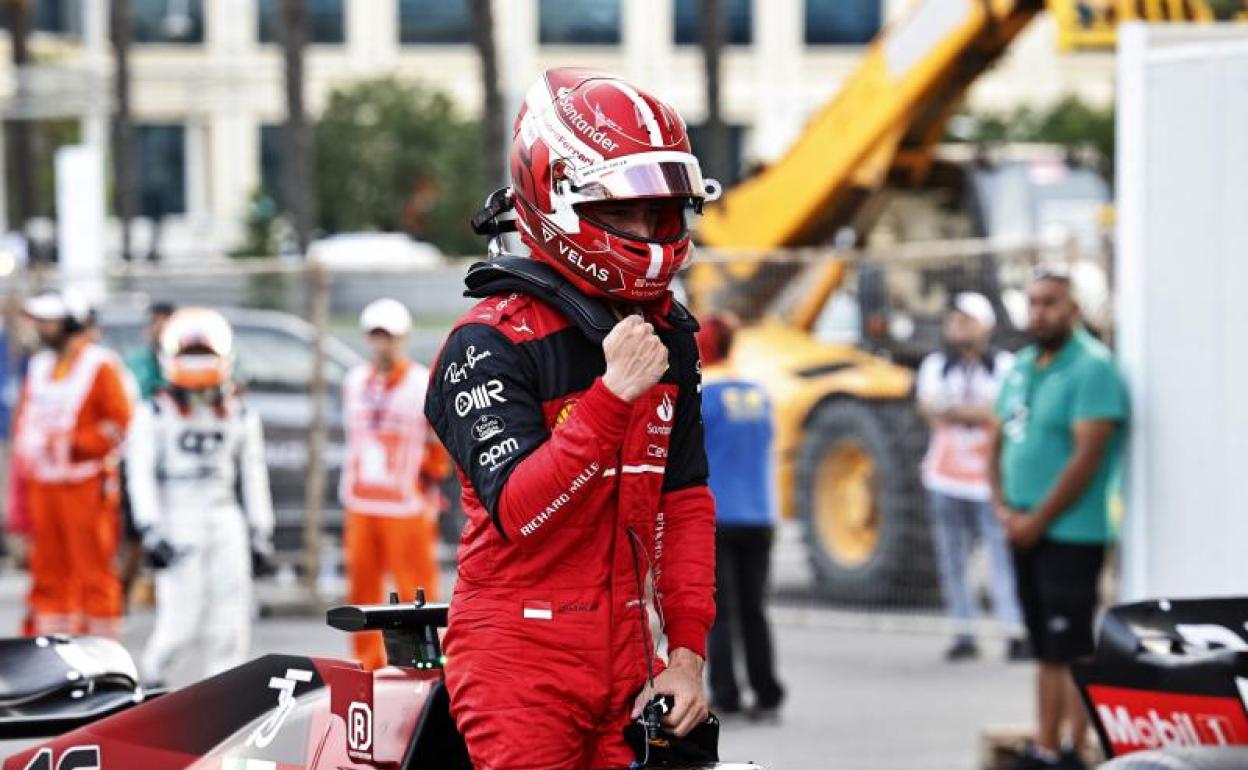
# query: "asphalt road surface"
865,692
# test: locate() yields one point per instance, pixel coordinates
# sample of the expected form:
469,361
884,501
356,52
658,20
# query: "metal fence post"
314,489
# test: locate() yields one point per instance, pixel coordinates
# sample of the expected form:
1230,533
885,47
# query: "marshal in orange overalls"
389,491
71,422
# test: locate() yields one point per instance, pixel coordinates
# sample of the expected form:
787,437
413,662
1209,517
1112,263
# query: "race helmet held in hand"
605,186
197,349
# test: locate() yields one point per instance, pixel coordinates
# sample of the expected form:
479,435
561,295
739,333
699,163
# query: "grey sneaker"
1018,649
962,649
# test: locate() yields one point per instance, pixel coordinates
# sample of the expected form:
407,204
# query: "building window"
52,17
271,155
842,22
167,21
736,146
326,22
58,17
585,22
738,27
433,21
162,169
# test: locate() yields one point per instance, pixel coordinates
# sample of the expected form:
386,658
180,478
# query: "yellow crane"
848,437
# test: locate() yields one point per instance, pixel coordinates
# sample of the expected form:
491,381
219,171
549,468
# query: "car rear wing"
410,629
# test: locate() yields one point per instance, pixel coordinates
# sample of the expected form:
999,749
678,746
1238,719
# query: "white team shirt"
196,461
957,456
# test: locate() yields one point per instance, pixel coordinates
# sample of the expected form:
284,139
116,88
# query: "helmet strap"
486,221
492,221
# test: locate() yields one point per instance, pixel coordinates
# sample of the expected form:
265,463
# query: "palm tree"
298,183
26,181
124,178
493,122
297,167
715,144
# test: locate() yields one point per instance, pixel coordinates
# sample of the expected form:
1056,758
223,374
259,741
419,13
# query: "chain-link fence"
836,339
288,316
834,336
296,334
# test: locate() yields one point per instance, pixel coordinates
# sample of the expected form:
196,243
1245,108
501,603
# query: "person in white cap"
393,465
957,388
71,421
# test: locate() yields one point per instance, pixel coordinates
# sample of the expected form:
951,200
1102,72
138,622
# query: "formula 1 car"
278,712
1168,686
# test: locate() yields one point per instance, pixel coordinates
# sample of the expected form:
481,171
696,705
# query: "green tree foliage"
1227,10
48,137
261,228
397,156
1071,123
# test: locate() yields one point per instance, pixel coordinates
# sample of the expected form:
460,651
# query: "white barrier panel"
80,218
1182,275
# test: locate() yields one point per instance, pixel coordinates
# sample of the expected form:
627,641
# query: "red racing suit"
575,502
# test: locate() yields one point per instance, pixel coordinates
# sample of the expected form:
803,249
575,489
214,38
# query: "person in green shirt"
144,362
1057,447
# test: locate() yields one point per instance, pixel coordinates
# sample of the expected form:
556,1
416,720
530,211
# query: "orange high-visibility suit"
71,422
389,491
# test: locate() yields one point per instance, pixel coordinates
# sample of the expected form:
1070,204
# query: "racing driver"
194,453
569,399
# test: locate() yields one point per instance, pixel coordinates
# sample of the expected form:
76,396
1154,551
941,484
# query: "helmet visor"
197,370
652,175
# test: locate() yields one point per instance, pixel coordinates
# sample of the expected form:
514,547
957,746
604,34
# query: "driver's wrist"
618,390
685,659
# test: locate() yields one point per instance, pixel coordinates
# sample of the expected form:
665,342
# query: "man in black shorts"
1058,444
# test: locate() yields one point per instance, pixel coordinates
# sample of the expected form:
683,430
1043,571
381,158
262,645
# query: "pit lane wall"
1182,277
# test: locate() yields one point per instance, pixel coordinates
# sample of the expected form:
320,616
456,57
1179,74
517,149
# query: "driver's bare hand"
682,680
636,358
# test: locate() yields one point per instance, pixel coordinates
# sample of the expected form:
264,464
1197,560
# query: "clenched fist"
636,358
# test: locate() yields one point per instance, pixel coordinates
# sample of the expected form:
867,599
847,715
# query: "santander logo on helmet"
587,143
589,129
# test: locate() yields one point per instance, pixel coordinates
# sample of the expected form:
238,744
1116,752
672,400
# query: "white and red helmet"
583,137
197,349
